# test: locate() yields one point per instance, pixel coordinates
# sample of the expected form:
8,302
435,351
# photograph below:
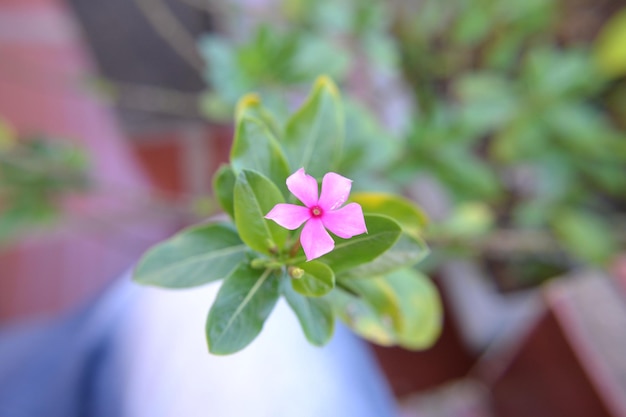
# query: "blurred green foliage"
524,130
511,117
34,174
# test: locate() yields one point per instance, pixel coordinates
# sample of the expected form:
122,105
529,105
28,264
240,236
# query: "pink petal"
346,222
335,191
289,216
315,239
304,187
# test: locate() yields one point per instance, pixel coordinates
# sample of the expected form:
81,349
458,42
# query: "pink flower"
320,213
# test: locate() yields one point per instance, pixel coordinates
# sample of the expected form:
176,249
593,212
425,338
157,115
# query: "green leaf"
404,211
256,149
420,307
383,232
318,279
314,134
469,220
314,314
224,74
468,175
380,296
255,196
241,307
472,27
402,308
609,49
367,146
224,188
251,106
315,55
213,107
193,257
586,235
407,251
361,317
487,101
7,136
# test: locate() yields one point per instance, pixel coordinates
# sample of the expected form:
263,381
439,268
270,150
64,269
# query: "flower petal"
346,222
335,191
304,187
315,239
289,216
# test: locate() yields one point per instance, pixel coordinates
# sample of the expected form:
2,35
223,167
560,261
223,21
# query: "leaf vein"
245,302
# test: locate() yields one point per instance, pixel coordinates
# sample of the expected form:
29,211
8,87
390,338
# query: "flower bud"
295,272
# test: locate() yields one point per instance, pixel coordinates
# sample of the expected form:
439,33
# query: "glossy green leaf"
317,279
256,149
421,310
407,251
314,314
314,134
193,257
404,211
224,188
361,317
383,232
255,196
243,303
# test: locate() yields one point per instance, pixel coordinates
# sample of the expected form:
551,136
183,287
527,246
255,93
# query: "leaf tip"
325,82
249,100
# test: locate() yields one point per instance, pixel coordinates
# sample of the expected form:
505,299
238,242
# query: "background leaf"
609,48
380,296
193,257
420,308
585,234
361,317
245,300
7,135
314,134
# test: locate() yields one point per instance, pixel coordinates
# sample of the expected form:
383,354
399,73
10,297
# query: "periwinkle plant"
363,274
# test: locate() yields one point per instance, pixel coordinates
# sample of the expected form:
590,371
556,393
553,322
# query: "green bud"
295,272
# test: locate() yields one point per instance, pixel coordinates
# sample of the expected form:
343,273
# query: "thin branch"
165,23
203,5
156,99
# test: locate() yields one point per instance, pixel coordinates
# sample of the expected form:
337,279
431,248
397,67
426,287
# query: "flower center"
316,211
